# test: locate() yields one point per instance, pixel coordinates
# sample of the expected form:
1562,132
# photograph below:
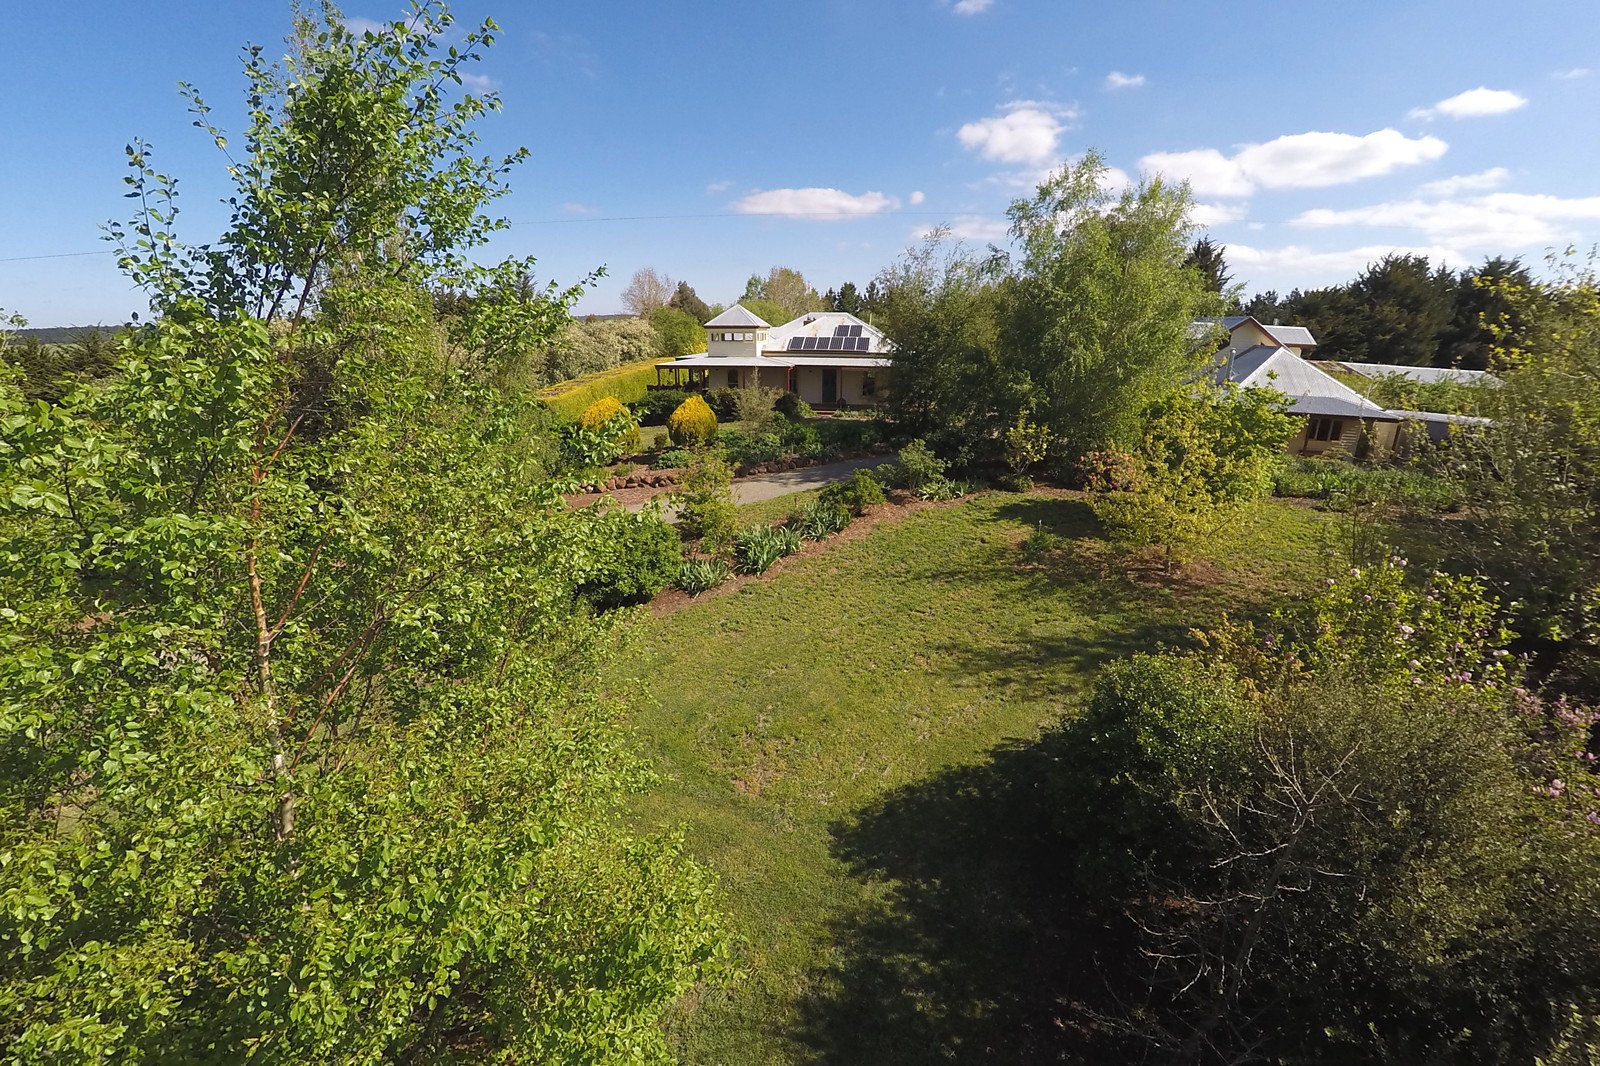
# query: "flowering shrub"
1110,471
692,423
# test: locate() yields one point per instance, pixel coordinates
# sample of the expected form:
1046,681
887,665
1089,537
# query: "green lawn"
782,715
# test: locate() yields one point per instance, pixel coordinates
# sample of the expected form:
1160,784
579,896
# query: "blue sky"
712,141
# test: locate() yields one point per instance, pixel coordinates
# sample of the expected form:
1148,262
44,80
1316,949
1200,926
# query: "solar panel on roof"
841,331
862,343
811,344
855,331
838,343
794,343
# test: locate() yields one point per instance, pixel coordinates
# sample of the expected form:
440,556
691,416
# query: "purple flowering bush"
1348,833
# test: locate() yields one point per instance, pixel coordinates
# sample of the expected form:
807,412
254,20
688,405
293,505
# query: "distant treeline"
50,360
1403,310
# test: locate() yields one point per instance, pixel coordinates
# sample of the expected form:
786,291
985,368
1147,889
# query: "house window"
869,384
733,379
1325,429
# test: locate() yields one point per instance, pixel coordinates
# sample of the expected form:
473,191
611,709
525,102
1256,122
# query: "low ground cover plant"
1342,485
672,458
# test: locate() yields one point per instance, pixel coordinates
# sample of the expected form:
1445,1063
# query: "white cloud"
1026,131
1118,80
1482,181
1296,161
972,7
1302,265
719,186
479,83
1473,103
1498,221
1571,73
970,228
814,203
572,207
358,26
917,198
1215,214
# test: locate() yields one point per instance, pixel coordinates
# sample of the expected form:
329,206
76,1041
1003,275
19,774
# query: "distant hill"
62,334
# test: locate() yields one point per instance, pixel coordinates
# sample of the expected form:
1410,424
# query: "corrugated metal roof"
1426,374
739,315
824,324
1310,391
703,360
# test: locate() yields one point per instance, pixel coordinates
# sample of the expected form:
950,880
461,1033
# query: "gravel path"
770,486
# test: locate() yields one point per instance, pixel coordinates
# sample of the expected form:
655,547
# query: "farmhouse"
1337,417
830,359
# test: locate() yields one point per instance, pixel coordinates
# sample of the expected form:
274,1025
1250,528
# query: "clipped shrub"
792,407
855,493
640,556
698,575
692,423
820,519
654,407
607,414
706,511
672,458
800,438
757,548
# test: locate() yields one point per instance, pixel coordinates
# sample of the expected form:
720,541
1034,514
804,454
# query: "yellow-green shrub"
692,423
608,409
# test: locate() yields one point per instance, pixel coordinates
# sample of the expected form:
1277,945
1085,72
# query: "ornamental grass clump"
820,519
700,575
693,423
757,548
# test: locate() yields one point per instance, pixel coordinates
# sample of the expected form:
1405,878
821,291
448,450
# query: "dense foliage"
1534,475
637,556
706,511
1086,328
1348,836
1404,310
1203,456
301,758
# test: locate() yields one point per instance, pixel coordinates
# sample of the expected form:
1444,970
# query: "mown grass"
781,714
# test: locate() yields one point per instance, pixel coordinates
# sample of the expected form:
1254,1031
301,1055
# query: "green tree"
1097,324
848,299
1534,473
1206,256
301,756
785,287
685,299
680,333
772,313
1403,307
1479,309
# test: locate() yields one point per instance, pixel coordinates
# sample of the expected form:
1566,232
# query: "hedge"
625,384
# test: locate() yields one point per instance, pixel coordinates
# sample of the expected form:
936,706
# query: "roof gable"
739,315
1310,390
827,324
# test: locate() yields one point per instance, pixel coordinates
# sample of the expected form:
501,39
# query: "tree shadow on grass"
976,950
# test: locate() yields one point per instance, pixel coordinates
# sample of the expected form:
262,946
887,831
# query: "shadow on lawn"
976,951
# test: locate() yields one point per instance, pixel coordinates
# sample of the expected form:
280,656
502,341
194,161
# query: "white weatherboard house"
830,359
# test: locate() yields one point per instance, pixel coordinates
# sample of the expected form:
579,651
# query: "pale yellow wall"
715,345
1381,439
1247,335
808,384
